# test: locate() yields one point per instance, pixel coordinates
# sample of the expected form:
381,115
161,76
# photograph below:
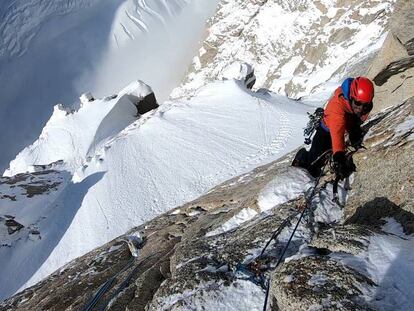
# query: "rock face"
401,23
294,46
383,188
318,281
141,96
392,69
335,276
216,252
206,253
176,251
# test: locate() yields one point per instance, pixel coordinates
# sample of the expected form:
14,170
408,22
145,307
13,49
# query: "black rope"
102,290
293,233
125,282
122,286
277,232
335,190
324,156
105,287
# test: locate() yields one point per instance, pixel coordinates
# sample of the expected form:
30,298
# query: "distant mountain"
295,46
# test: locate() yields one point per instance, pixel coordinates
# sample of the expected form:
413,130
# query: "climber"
347,109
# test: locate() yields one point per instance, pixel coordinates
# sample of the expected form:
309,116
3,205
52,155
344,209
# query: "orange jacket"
339,118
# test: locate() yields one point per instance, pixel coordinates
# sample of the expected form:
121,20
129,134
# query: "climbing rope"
120,289
324,156
277,232
308,201
106,286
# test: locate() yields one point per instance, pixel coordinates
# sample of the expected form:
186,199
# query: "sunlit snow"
127,170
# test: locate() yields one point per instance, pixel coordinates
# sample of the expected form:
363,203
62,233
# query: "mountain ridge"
198,254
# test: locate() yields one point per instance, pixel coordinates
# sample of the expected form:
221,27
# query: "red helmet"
362,90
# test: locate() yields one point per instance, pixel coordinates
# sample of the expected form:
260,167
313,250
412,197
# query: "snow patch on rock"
239,296
241,217
284,187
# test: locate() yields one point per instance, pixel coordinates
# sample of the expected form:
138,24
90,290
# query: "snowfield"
126,171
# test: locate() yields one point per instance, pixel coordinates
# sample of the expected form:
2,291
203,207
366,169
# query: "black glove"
343,165
356,136
356,142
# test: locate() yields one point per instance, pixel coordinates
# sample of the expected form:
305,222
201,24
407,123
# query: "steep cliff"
219,251
294,46
205,254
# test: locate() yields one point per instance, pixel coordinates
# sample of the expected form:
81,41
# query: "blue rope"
291,236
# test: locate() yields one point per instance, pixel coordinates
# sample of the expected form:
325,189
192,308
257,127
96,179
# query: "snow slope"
51,51
126,170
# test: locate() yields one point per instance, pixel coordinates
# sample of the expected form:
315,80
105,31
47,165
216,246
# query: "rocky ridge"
294,46
195,255
392,69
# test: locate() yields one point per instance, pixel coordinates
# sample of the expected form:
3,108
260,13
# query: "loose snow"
325,209
389,263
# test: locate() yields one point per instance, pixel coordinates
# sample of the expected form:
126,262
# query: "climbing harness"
313,124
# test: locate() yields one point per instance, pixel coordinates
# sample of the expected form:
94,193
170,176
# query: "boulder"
141,95
242,72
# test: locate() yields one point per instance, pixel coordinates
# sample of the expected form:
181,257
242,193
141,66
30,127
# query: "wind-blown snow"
390,261
325,209
72,135
126,170
406,127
